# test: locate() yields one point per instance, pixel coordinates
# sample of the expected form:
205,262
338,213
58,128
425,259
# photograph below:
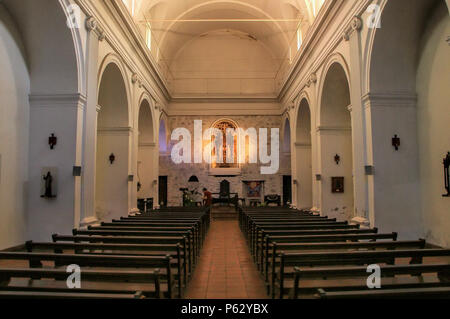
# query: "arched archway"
36,49
113,143
146,157
335,136
303,178
407,69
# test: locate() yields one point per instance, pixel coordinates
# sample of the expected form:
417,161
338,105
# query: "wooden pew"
149,284
196,234
254,223
130,233
330,258
63,295
172,250
268,257
90,260
160,223
411,293
251,225
259,231
258,245
136,240
271,262
203,221
249,220
323,278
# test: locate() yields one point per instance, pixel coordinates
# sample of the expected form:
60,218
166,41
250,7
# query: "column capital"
91,24
355,25
311,80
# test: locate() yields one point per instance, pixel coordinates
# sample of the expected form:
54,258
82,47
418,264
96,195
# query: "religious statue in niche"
337,185
48,183
226,151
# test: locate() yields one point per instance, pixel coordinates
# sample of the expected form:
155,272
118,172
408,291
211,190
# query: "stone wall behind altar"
178,175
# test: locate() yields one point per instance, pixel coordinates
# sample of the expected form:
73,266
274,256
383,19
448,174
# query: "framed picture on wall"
337,185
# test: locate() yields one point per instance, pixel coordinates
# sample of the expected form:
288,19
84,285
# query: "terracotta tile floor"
225,269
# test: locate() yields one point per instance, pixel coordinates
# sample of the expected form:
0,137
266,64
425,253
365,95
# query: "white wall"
14,121
112,179
332,142
433,81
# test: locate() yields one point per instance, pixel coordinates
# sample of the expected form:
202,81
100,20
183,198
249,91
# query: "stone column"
61,114
360,182
394,187
94,36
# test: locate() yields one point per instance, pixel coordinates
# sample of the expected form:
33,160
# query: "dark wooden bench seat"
157,242
63,295
131,233
259,232
160,223
268,257
404,293
288,261
257,245
251,222
196,235
252,225
124,281
269,239
163,264
173,250
307,281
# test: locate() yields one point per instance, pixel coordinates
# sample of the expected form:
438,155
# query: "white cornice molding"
57,100
302,145
323,128
147,144
237,99
224,107
118,130
390,99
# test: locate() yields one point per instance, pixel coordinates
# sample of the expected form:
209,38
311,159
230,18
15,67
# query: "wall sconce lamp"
369,170
446,174
396,142
76,171
337,159
112,158
318,177
130,178
52,141
295,182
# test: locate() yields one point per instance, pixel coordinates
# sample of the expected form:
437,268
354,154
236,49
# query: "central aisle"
225,269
